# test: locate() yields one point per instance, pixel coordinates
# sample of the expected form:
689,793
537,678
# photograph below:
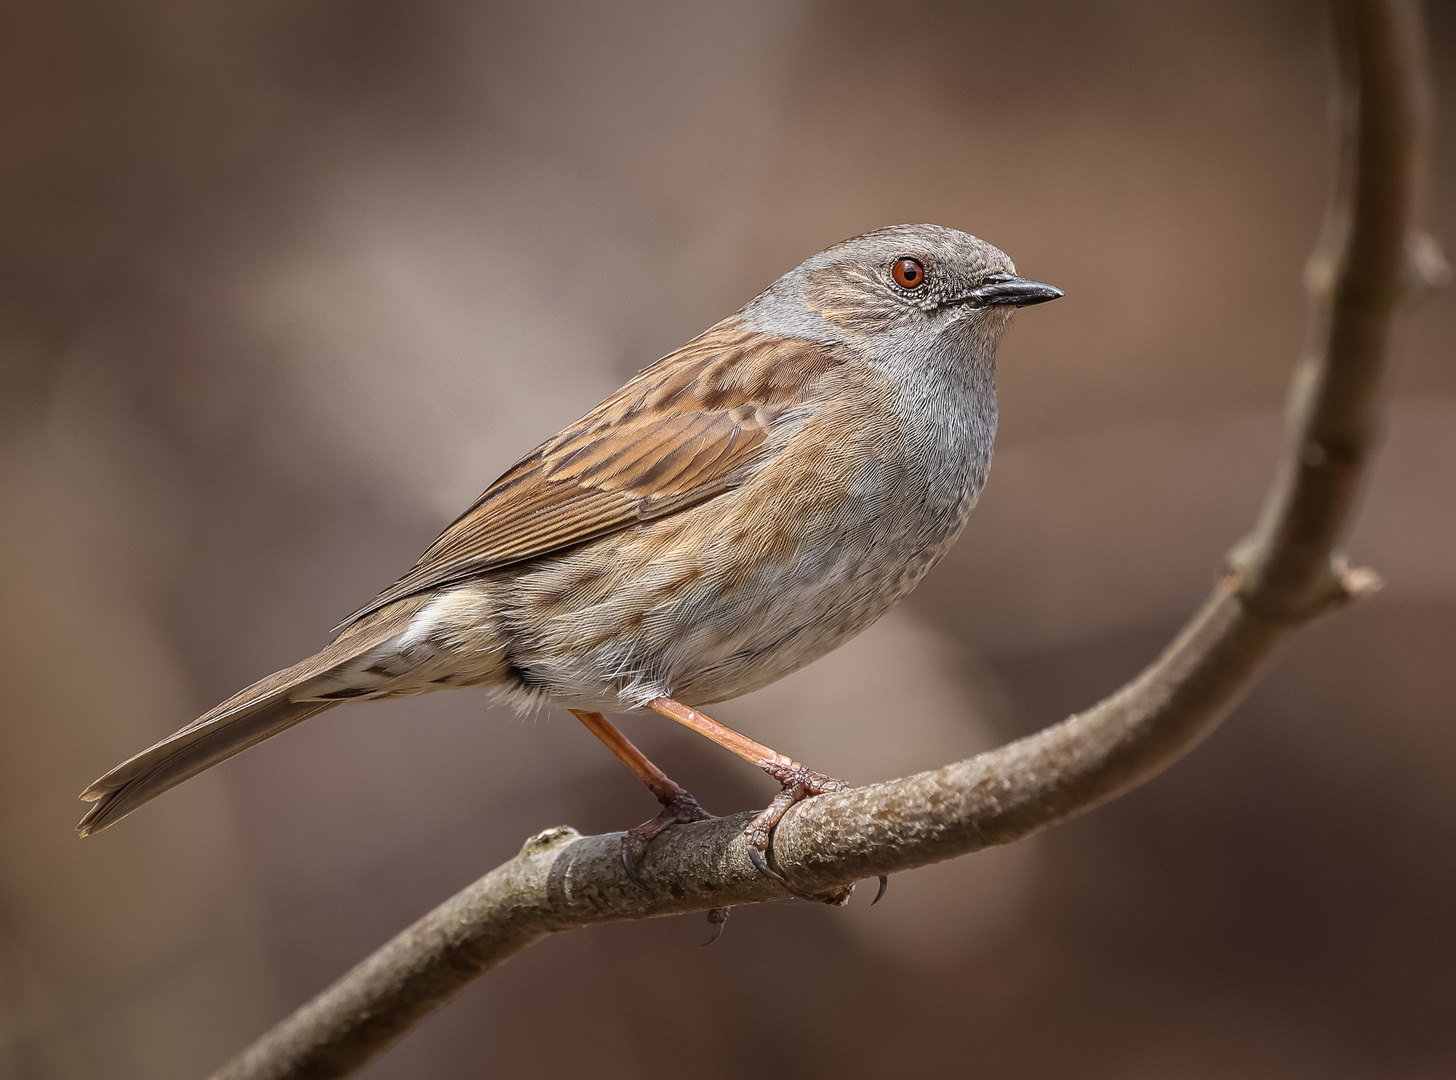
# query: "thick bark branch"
1284,574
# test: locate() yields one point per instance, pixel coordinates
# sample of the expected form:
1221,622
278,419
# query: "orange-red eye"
908,273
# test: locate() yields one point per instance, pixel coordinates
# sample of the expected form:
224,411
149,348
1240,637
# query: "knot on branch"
1339,584
1424,271
1426,267
549,839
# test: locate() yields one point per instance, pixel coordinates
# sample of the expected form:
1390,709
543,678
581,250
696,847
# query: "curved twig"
1280,577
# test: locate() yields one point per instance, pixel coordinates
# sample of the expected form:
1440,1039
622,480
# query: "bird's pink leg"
795,780
678,807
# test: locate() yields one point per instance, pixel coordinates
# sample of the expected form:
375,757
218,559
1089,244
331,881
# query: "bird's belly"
651,612
791,624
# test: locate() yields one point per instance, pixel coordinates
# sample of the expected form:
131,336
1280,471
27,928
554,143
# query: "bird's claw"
718,917
679,808
755,856
798,783
880,894
629,861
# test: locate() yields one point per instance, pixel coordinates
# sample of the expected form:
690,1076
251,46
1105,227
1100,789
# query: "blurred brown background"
284,285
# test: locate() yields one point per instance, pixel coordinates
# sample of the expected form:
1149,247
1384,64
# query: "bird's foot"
678,808
797,782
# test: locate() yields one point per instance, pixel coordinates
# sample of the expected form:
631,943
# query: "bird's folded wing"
691,426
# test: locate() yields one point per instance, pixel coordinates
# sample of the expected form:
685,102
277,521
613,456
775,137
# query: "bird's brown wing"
689,427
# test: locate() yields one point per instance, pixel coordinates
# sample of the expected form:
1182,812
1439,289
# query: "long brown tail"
262,710
185,754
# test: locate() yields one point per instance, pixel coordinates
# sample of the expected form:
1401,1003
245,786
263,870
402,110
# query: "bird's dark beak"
1007,290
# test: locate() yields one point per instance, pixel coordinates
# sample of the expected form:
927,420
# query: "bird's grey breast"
946,406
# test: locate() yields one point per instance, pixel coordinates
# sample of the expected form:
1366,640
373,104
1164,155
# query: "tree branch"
1284,574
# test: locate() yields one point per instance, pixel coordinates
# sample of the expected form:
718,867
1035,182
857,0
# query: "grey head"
905,280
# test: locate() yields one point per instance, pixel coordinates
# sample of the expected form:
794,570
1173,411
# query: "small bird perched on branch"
736,511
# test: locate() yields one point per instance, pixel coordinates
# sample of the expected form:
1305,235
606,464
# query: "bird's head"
910,278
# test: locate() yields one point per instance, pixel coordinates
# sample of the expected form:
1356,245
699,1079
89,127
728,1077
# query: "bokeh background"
284,285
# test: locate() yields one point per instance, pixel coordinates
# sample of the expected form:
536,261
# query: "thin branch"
1284,574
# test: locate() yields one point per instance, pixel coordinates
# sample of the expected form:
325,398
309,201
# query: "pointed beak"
1007,290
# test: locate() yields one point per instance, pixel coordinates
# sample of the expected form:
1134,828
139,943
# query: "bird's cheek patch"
852,304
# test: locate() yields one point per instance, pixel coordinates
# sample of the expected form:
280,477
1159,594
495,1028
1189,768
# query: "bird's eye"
908,273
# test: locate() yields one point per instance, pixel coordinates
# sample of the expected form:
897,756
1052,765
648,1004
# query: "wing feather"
688,428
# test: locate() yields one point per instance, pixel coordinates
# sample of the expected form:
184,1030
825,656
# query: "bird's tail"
264,709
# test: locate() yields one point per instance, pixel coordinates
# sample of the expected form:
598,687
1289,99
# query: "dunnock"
734,512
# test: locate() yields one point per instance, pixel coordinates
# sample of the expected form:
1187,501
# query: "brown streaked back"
691,426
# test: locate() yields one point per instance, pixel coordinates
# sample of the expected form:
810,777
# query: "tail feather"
184,755
263,709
